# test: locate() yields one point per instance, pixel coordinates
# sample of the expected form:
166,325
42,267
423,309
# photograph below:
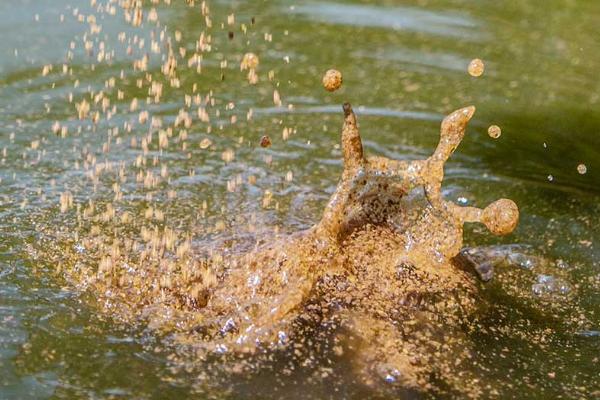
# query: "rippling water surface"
404,66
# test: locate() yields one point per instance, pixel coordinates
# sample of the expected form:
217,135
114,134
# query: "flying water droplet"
494,131
476,67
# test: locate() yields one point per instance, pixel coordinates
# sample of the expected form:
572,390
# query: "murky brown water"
162,170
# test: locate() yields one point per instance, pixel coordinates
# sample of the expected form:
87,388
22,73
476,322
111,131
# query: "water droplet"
332,80
494,131
250,61
265,141
476,67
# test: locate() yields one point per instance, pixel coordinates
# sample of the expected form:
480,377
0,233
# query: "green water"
404,66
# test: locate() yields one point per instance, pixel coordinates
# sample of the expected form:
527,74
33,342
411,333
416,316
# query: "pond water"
405,67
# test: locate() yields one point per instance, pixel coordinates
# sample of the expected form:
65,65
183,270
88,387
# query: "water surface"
404,66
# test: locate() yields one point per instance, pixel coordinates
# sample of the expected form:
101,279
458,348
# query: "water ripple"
397,18
361,110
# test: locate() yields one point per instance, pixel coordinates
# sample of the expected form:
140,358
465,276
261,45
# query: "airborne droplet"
476,67
332,80
265,141
494,131
249,61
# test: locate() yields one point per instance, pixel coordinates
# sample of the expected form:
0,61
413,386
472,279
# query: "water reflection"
449,24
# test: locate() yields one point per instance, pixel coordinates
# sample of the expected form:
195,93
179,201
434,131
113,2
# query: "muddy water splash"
372,285
378,264
377,269
162,184
374,279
